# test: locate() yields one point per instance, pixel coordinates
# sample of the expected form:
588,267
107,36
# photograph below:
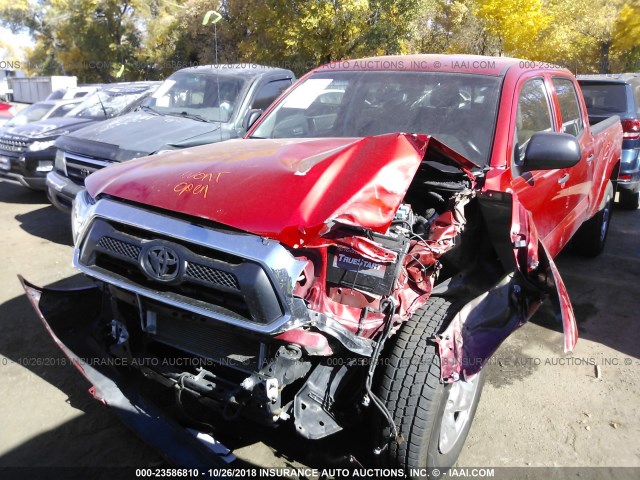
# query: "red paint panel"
288,190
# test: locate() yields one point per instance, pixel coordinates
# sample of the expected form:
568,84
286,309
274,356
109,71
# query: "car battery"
347,268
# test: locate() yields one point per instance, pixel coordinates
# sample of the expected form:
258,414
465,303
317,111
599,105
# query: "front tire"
433,419
590,238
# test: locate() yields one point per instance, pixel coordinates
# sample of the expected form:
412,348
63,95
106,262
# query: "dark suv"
27,152
607,95
194,106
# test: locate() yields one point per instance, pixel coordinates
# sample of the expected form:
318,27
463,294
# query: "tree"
594,23
95,37
585,35
518,24
626,37
31,16
98,40
305,34
87,38
445,26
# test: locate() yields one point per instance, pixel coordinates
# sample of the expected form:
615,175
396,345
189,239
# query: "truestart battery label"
348,268
348,260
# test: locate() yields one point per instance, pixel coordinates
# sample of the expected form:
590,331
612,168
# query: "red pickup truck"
352,263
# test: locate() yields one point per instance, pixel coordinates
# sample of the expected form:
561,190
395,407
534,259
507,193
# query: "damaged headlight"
81,210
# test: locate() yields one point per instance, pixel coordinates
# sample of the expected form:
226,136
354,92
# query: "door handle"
563,179
590,157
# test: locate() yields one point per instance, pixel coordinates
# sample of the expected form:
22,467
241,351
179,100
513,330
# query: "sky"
17,42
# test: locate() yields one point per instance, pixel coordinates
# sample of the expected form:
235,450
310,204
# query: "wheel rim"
605,219
457,413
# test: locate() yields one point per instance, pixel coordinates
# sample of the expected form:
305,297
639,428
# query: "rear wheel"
629,200
433,419
590,238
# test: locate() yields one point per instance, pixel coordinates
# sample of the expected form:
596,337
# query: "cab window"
533,115
269,92
569,108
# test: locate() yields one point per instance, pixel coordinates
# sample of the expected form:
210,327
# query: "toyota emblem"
161,263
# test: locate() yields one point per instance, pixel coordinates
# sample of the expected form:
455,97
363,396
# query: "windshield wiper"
192,116
104,110
147,108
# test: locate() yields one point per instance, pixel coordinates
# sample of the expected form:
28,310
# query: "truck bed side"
607,150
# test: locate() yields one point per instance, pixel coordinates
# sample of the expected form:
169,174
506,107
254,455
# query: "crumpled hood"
145,132
52,127
288,189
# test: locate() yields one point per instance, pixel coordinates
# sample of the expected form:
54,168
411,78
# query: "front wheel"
590,238
432,418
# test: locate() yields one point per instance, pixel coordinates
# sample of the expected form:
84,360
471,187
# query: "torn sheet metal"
483,324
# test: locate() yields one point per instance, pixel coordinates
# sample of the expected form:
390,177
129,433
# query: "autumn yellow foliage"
98,39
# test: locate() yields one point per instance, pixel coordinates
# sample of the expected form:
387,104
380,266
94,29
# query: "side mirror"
250,118
551,150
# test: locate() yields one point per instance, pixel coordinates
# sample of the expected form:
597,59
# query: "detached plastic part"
68,315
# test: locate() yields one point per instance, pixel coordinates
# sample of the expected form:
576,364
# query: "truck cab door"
577,187
537,190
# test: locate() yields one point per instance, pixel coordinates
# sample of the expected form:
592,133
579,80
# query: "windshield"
62,110
57,94
209,97
458,109
108,103
32,113
604,98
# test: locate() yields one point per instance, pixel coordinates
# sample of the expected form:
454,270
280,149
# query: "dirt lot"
539,407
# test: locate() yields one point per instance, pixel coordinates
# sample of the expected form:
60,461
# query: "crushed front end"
213,322
228,324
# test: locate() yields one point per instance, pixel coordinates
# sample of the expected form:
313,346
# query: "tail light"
631,129
625,177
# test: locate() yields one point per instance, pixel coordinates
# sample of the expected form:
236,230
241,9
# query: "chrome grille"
235,287
13,144
212,275
194,271
121,248
80,167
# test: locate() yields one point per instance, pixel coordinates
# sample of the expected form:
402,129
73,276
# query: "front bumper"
63,313
632,185
629,176
61,191
29,169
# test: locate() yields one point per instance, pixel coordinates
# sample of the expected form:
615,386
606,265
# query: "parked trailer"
36,89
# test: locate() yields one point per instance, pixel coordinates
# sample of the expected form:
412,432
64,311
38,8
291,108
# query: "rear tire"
590,238
629,200
433,419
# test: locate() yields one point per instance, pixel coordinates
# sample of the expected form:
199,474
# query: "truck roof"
129,86
246,70
477,64
610,78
